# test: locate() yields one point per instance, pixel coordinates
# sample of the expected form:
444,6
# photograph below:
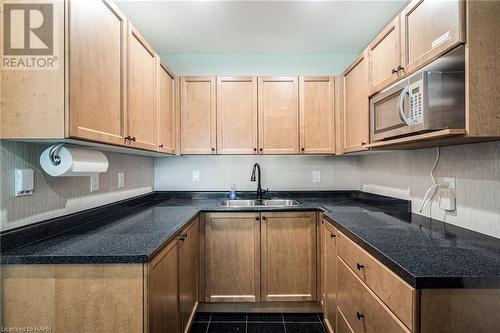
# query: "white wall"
402,174
56,196
475,167
218,173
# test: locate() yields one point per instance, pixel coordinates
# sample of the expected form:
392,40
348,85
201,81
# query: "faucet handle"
265,190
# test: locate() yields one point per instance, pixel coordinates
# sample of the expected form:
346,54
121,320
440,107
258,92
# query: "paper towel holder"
55,159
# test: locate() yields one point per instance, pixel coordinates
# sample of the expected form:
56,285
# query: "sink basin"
261,203
280,202
240,203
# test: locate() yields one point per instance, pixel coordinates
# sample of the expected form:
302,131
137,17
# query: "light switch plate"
316,176
196,176
23,182
94,183
121,180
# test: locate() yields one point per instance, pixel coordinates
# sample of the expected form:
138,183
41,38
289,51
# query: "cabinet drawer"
363,311
342,324
394,292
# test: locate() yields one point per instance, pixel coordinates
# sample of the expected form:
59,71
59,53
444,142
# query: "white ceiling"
187,27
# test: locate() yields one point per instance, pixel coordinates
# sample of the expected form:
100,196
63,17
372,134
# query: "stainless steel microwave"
426,101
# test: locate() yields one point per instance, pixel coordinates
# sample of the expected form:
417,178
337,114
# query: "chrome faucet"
256,166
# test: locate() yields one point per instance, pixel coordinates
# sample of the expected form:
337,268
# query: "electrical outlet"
196,176
121,180
94,183
23,182
316,176
447,197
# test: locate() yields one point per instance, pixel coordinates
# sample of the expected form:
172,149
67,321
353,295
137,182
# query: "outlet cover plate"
196,176
94,183
316,176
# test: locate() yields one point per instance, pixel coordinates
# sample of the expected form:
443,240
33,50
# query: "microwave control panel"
416,103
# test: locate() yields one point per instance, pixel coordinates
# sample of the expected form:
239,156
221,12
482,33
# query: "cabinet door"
385,57
429,29
289,256
97,54
356,116
330,253
232,257
316,115
237,115
141,116
166,109
188,272
278,115
163,297
198,118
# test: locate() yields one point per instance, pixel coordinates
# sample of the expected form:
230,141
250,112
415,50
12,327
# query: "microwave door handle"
402,114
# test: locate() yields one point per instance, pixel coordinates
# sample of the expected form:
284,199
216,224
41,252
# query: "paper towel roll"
74,162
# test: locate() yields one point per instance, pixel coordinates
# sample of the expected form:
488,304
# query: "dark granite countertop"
425,253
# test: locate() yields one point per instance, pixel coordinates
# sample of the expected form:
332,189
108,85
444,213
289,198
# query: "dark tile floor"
258,323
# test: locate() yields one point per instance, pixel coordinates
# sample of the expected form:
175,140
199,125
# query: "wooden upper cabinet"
232,257
236,115
97,55
317,123
356,115
288,256
429,28
385,57
166,124
141,116
278,115
198,115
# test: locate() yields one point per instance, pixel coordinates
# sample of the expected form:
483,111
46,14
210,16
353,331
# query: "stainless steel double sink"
260,203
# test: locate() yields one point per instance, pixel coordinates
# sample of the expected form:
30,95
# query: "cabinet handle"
359,266
255,149
394,71
359,315
363,143
261,149
213,149
264,218
400,68
128,137
303,149
182,238
160,145
257,218
133,138
333,235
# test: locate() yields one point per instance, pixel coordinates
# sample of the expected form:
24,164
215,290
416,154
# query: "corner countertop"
425,253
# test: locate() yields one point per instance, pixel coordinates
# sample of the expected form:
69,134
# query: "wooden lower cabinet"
391,289
288,245
232,257
363,310
172,284
250,257
163,289
330,275
188,275
342,324
96,298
